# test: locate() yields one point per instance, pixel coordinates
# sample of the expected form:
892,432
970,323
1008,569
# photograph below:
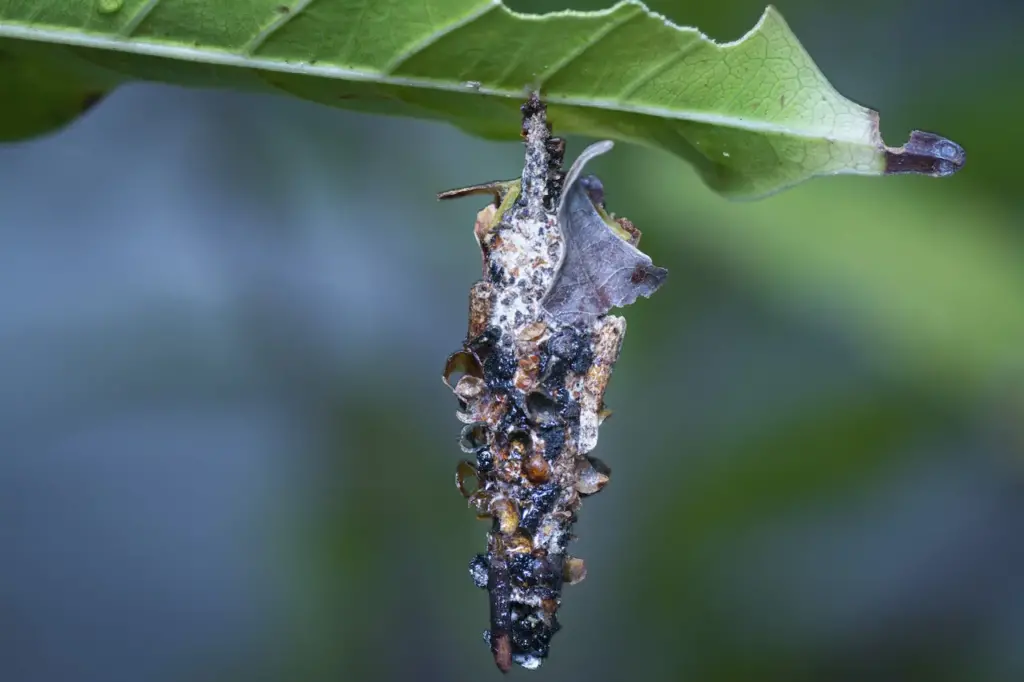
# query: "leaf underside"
753,116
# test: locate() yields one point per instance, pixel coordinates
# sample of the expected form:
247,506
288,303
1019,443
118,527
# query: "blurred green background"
228,454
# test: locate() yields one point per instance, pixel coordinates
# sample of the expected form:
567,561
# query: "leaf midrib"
220,57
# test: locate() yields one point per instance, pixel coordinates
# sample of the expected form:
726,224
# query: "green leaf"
753,116
38,98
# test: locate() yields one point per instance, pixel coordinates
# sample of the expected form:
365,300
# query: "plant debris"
532,374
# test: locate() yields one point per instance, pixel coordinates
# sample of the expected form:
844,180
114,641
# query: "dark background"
228,454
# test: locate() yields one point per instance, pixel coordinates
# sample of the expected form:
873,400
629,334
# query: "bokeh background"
228,455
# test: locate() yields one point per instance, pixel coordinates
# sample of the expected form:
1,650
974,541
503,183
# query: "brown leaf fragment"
574,571
461,363
608,335
495,188
501,646
599,270
629,228
593,475
500,591
464,473
479,308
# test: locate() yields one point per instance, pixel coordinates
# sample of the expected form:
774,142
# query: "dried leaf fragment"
599,270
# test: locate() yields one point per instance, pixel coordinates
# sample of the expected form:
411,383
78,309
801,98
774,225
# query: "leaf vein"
513,63
594,39
437,35
136,20
659,69
280,20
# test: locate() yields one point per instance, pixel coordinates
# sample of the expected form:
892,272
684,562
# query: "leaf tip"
925,154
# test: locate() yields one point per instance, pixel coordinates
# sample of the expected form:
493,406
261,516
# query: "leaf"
753,116
43,98
600,270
